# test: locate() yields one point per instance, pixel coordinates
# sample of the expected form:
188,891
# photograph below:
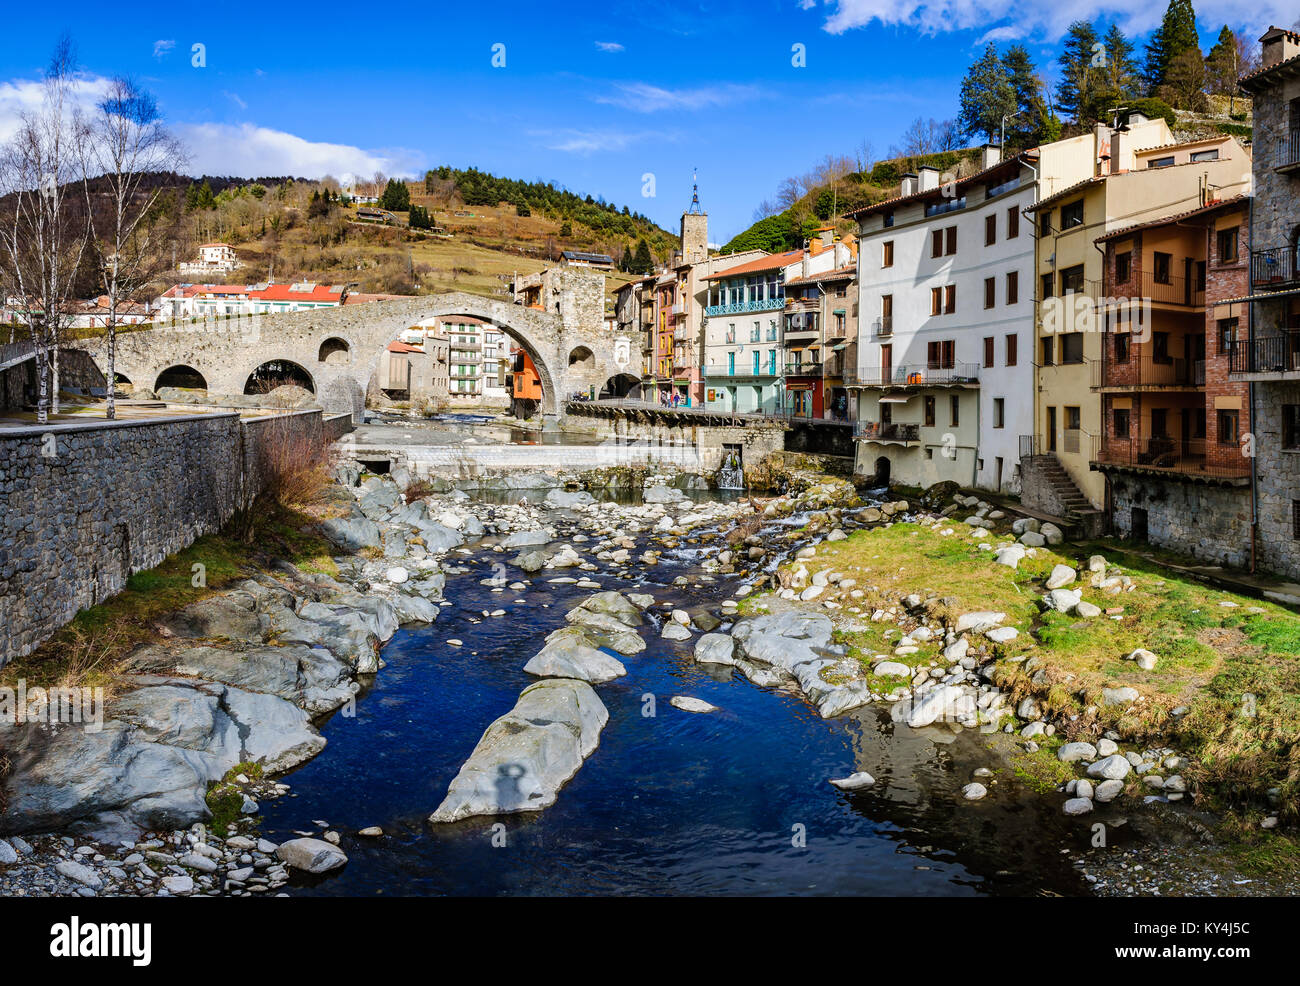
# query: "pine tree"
986,96
1033,123
642,263
1221,67
1176,34
396,197
1080,71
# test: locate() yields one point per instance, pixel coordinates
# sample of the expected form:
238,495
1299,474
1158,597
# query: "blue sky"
591,96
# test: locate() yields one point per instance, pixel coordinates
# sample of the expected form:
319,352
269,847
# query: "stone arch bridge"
339,349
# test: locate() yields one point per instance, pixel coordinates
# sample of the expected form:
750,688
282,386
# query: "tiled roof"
917,196
293,292
1247,83
770,262
839,274
403,347
1068,190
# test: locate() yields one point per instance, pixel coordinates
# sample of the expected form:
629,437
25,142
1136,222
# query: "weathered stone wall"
1036,487
815,436
85,506
1278,479
1210,523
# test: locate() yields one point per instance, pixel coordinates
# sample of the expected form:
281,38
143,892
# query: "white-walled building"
214,259
946,321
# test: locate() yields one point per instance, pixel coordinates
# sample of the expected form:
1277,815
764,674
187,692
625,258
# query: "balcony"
1274,268
1288,152
745,307
883,327
802,323
1272,357
803,369
886,433
1143,371
1170,290
917,375
799,305
1182,458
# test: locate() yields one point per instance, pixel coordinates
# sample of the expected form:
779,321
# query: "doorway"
1138,524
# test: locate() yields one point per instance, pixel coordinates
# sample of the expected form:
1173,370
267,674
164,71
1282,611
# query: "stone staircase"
1048,487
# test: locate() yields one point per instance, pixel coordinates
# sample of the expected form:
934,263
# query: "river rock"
527,755
1119,696
894,669
1143,658
1070,752
1061,576
613,604
526,539
974,791
688,704
352,533
232,616
563,499
715,648
979,621
568,654
1063,600
1108,790
311,855
1078,806
675,631
1112,768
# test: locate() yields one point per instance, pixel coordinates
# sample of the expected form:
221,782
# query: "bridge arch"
335,350
181,375
278,373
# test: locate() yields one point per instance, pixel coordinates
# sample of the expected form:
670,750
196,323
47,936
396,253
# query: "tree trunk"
110,407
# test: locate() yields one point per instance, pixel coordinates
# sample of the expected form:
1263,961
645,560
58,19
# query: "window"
1122,341
929,412
1123,266
886,310
1160,162
1072,347
1211,155
1045,223
1072,280
990,230
889,219
1013,223
1072,215
1046,285
936,243
756,332
950,247
949,299
1227,333
1073,419
954,411
940,355
999,412
1013,346
1048,350
1120,422
1160,347
988,351
1291,426
1013,287
1162,265
886,414
1159,422
990,292
1228,426
936,301
887,254
1227,244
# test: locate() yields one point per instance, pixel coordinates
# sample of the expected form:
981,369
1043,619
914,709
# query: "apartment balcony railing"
678,308
883,327
880,431
745,307
1271,354
803,369
918,375
793,305
1274,268
1170,290
1142,371
765,370
1193,457
802,322
1288,151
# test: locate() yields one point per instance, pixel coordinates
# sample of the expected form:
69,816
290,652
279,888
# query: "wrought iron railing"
1166,290
805,369
1271,354
886,432
1288,155
918,374
765,370
744,307
1274,267
1142,369
1181,456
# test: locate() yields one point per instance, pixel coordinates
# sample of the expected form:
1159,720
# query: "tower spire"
695,193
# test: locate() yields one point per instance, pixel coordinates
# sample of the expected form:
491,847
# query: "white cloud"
161,48
248,150
645,98
1043,22
609,46
19,96
594,141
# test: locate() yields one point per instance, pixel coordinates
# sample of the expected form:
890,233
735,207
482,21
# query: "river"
732,802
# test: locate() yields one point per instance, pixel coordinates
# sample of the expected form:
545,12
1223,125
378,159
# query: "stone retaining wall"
1210,523
85,506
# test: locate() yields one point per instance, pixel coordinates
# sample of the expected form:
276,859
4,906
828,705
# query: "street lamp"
1002,145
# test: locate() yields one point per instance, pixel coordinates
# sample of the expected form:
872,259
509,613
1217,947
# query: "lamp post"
1002,139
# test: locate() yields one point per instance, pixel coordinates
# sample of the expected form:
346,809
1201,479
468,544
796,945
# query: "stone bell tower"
695,230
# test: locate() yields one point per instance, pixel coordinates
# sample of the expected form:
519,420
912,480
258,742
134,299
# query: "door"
1051,429
886,363
1138,525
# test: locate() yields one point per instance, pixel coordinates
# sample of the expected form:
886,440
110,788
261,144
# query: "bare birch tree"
123,144
43,237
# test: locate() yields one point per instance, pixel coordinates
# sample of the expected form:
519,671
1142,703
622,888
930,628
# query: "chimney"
1279,45
990,155
909,184
827,236
1101,149
929,178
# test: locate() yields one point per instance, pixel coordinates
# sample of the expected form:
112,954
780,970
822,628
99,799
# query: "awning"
799,386
839,346
896,398
815,345
1262,296
838,311
794,349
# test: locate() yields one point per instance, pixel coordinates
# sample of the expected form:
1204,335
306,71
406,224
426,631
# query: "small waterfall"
730,476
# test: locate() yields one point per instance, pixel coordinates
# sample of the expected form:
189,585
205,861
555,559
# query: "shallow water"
671,802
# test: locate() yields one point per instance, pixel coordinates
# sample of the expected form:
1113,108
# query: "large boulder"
527,755
352,533
568,654
230,616
311,855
